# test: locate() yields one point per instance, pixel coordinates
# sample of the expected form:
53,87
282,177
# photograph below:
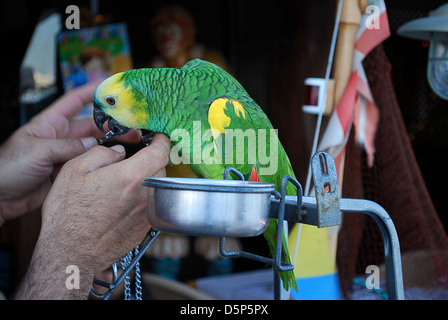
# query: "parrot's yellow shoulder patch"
217,118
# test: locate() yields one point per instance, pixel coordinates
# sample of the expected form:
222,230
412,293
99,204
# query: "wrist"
56,274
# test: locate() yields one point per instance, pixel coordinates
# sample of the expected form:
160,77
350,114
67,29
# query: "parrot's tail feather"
288,277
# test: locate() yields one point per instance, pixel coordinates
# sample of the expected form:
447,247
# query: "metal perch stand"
323,210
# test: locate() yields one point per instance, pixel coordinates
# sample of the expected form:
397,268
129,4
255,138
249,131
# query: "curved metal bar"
276,261
310,215
281,217
235,171
394,276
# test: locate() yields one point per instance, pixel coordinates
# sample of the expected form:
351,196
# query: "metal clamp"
327,190
321,211
276,261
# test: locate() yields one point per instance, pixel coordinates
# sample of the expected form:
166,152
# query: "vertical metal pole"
279,292
277,285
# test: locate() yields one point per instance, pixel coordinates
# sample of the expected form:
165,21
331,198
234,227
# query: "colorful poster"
89,54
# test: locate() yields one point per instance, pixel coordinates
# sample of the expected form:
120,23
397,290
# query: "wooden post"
349,23
351,13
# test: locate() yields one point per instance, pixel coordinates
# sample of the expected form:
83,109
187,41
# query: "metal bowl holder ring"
323,210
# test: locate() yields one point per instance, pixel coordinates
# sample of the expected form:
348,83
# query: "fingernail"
119,148
88,142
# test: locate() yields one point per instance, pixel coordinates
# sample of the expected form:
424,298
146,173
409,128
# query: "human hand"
93,215
31,157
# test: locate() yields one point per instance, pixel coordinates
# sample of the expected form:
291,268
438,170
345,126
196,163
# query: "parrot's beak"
99,116
115,129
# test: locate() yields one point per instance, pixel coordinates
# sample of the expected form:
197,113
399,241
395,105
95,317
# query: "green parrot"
212,118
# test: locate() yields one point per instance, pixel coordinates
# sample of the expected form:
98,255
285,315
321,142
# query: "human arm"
93,215
31,157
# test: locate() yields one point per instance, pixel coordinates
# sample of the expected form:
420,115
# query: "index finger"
85,127
71,103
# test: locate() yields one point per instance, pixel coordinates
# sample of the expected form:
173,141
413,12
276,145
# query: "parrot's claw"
147,138
108,137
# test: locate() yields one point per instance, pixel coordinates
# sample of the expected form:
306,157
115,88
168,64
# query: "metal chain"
125,261
127,283
138,278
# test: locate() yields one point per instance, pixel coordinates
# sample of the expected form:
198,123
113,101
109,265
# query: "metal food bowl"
208,207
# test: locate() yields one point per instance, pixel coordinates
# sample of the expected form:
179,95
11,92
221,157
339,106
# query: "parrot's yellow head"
120,105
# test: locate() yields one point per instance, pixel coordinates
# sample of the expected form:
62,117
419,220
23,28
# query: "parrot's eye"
110,100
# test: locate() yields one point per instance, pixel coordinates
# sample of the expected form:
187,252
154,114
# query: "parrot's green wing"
197,63
255,151
242,137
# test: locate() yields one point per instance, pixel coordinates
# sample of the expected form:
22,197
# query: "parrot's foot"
147,138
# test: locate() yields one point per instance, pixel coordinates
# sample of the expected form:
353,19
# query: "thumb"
62,150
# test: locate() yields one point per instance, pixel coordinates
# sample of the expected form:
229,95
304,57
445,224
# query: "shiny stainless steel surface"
208,207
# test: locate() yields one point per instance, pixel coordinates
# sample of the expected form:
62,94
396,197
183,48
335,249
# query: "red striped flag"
338,128
357,105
